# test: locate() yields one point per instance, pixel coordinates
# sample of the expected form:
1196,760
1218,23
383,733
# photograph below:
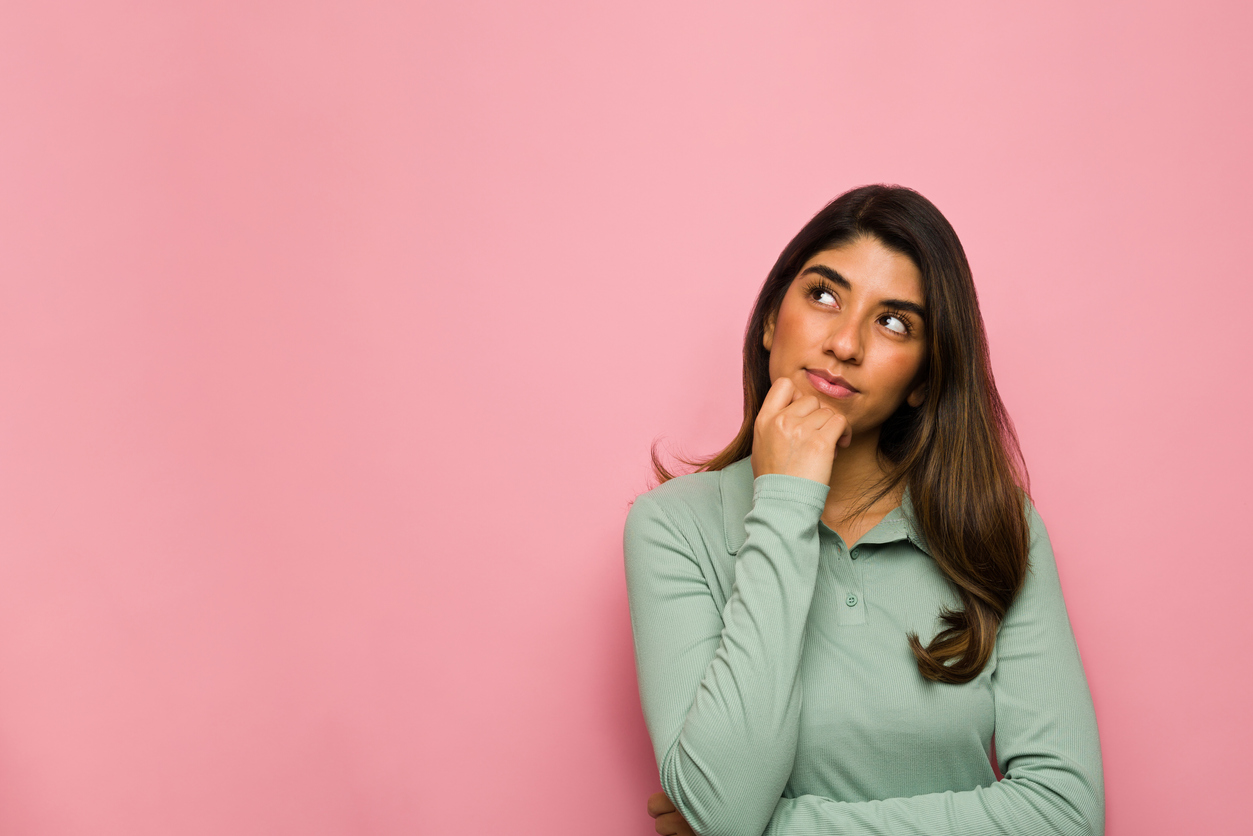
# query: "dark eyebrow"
839,281
831,276
901,305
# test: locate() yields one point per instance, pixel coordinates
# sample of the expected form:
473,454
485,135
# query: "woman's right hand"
796,435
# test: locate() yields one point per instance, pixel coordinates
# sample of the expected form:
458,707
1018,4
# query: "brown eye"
894,324
822,293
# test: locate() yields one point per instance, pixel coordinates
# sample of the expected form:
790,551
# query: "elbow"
718,802
721,822
1092,815
1085,806
1086,819
1075,811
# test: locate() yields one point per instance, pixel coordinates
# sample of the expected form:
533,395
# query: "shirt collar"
736,485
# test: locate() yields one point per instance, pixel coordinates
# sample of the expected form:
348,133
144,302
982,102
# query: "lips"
830,384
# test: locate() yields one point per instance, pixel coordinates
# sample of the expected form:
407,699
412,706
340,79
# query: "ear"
767,336
916,397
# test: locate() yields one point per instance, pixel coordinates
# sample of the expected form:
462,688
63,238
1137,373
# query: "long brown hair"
957,452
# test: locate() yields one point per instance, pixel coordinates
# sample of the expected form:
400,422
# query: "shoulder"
684,501
1041,582
693,508
1041,548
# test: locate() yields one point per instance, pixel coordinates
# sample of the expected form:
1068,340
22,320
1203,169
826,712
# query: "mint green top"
781,694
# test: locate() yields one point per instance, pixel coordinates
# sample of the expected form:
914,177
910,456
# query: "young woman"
836,615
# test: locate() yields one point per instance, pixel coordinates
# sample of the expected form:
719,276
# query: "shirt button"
851,600
855,554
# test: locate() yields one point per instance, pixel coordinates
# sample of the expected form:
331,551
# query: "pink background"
333,337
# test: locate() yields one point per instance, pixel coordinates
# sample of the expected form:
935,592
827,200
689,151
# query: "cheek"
902,369
786,330
791,330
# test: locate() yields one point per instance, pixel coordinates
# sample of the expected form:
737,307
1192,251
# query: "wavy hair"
957,452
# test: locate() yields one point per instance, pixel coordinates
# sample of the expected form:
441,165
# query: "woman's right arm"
719,687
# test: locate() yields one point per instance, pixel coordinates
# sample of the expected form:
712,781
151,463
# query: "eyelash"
816,286
900,317
822,286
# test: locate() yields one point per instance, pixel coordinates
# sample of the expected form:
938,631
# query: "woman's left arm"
1046,740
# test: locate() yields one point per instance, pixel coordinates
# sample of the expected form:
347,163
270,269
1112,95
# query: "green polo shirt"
781,694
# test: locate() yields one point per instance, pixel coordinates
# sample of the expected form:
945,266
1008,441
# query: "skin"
666,819
872,333
865,325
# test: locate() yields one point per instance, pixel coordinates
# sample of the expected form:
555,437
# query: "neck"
854,476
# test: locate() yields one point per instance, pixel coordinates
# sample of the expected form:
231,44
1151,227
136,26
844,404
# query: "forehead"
872,268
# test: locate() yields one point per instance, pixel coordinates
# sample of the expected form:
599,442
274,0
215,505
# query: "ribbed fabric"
781,695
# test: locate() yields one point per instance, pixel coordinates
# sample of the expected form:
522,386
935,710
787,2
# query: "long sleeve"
719,685
1046,741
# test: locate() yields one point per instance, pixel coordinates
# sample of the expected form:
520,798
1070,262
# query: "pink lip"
830,384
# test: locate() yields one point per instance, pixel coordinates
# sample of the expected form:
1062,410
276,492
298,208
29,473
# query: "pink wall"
333,337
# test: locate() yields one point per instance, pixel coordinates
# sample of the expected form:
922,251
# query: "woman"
835,615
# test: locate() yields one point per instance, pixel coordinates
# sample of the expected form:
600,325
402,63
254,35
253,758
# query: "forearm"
726,742
1063,804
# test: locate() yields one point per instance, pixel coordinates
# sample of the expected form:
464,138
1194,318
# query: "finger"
816,418
659,804
780,395
803,405
797,392
837,429
671,824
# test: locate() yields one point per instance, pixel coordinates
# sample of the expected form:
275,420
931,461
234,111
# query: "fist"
796,435
667,821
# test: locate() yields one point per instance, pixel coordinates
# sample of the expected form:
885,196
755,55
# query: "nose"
845,340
